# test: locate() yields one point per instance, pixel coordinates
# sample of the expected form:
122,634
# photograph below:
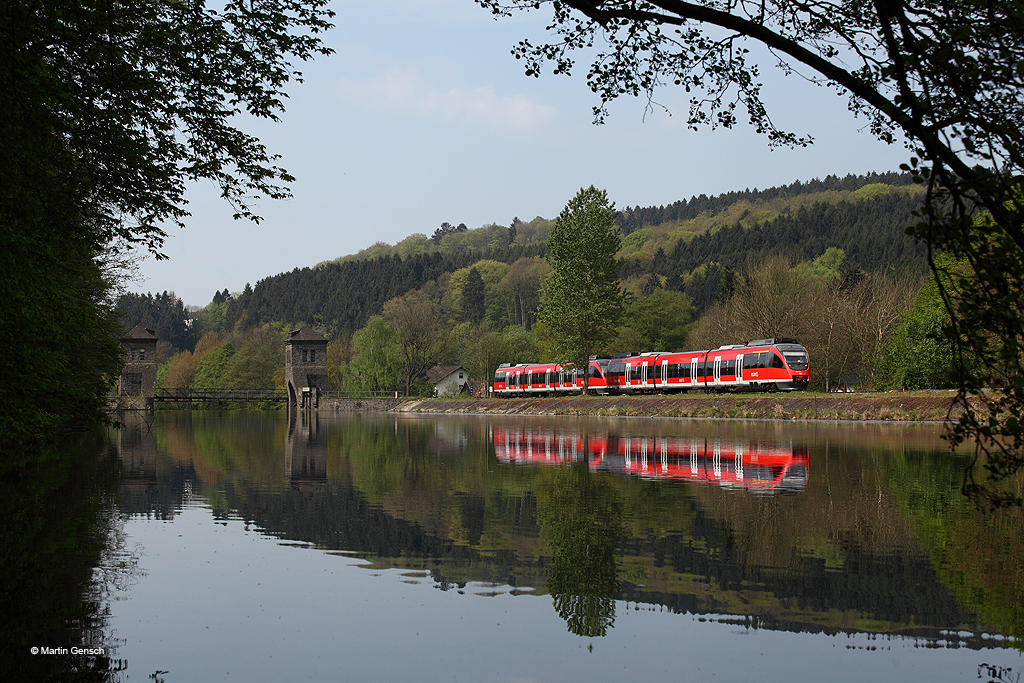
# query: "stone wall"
122,404
351,405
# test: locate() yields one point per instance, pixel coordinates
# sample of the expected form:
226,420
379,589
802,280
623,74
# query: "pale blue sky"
422,116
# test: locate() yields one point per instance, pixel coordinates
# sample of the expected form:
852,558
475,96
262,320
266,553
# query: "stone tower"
138,377
305,367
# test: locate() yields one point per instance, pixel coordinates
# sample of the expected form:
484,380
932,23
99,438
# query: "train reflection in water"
759,467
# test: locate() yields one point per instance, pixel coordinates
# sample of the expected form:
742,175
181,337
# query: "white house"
449,379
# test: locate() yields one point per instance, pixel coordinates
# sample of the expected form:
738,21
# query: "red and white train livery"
779,364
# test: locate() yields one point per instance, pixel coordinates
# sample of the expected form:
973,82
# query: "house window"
460,375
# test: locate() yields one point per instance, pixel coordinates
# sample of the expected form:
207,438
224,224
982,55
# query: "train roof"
772,342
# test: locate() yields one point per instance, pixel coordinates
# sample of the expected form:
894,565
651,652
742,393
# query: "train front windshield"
795,355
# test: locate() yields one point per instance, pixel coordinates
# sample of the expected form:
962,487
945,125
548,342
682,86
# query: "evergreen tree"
473,306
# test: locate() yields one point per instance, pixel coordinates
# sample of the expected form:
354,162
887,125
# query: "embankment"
892,406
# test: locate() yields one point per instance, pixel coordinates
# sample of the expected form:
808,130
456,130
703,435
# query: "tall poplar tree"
582,296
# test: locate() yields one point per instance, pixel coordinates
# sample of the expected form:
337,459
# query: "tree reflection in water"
62,553
581,517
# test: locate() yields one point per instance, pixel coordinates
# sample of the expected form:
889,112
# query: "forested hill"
687,246
343,295
868,228
632,219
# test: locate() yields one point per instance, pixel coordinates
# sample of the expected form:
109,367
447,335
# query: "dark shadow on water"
62,554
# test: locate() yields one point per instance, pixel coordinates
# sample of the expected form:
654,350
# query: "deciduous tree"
420,335
376,365
582,295
110,111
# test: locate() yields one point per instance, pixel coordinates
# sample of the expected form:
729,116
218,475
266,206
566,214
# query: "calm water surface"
244,547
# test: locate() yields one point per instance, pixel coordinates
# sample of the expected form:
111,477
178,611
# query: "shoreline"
910,406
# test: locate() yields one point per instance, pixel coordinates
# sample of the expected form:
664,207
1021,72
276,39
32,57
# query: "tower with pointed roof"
305,367
138,377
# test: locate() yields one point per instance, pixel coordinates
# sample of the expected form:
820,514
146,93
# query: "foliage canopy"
110,110
945,76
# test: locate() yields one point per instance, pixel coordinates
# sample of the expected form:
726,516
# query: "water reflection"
763,467
679,517
305,455
63,555
581,517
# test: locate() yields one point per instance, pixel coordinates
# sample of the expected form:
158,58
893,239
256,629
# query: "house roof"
439,372
139,333
307,334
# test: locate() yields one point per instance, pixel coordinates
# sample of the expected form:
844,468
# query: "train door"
718,369
693,371
643,374
664,374
739,367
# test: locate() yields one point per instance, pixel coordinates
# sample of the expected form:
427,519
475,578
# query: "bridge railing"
251,395
256,395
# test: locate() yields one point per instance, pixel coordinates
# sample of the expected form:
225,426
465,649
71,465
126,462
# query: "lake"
247,546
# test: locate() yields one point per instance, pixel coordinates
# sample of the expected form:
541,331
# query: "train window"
795,355
728,367
594,372
776,361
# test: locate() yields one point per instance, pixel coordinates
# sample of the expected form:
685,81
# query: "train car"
636,373
597,380
544,379
779,364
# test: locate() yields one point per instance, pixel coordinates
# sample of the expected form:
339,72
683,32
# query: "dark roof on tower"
139,332
305,334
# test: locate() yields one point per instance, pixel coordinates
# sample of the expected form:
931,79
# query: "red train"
779,364
765,468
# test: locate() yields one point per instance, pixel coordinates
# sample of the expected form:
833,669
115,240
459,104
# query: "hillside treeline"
632,219
833,268
341,297
869,232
